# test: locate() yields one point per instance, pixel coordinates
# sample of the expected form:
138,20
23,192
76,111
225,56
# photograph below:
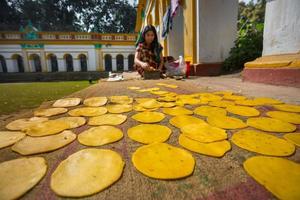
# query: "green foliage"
249,44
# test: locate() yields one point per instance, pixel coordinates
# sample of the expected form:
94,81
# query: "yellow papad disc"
20,124
223,92
149,117
150,104
177,111
209,97
190,101
278,175
203,133
93,170
140,108
67,102
33,145
100,135
74,122
209,110
215,149
163,161
293,137
288,107
107,119
221,103
95,101
46,128
119,108
167,104
262,143
226,122
234,97
8,138
183,120
143,100
133,88
48,112
167,98
293,118
159,92
20,175
121,99
249,102
88,111
149,133
267,101
271,125
243,111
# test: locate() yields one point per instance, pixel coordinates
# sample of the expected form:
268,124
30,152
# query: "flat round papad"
67,102
225,122
278,175
288,107
143,100
262,143
88,111
119,108
243,111
133,88
167,98
234,97
148,117
190,101
87,172
149,133
74,122
95,101
33,145
209,110
167,104
48,112
221,103
150,104
293,118
177,111
270,124
163,161
100,135
267,101
183,120
140,108
121,99
107,119
293,137
216,149
8,138
20,175
203,133
46,128
223,92
159,92
209,97
20,124
249,102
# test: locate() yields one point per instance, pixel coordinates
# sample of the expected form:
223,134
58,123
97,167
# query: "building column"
26,61
114,62
43,60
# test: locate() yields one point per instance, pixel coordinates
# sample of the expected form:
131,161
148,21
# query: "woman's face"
149,37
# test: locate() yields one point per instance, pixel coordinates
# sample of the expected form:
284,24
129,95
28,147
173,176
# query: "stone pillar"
26,61
43,60
125,62
114,62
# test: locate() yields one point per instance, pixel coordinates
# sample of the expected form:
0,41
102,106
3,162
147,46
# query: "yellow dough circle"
67,102
74,122
262,143
243,111
209,110
177,111
88,111
149,117
100,135
221,103
150,104
121,99
140,108
20,124
149,133
8,138
163,161
226,122
33,145
48,112
293,137
234,97
183,120
95,101
46,128
271,125
278,175
203,133
20,175
215,149
288,107
119,108
107,119
209,97
92,170
267,100
293,118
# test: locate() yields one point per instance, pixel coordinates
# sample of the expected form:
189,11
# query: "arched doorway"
130,62
35,62
120,62
69,63
52,62
108,62
18,62
3,67
83,62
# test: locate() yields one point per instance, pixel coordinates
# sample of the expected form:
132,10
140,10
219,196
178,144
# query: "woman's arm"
137,61
161,64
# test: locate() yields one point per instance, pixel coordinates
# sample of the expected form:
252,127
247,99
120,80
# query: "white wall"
216,29
282,27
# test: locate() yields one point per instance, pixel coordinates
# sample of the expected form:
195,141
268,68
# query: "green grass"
18,96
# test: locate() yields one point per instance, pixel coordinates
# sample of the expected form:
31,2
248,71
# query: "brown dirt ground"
213,178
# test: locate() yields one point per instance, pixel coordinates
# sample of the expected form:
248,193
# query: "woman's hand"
144,65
